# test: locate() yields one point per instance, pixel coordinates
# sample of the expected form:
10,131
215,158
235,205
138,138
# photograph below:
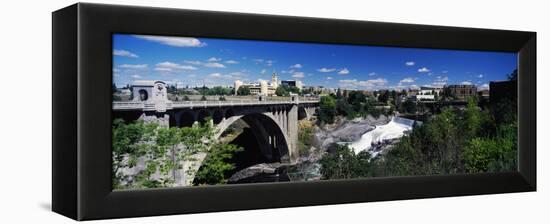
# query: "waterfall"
396,128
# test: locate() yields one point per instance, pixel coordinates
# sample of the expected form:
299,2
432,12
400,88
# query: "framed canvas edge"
93,203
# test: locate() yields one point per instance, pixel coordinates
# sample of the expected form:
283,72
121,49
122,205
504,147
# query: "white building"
262,88
427,93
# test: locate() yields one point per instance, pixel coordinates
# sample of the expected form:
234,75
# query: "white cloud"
414,87
407,80
423,69
269,62
215,75
136,76
296,66
466,83
372,74
298,75
124,53
213,59
326,69
442,78
170,66
173,41
410,63
480,76
192,62
214,65
237,74
263,71
231,62
445,72
329,78
343,71
131,66
258,60
221,76
369,84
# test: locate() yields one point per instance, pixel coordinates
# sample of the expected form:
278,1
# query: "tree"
216,166
472,119
114,89
513,76
409,106
203,98
342,163
384,96
344,108
305,136
281,91
243,91
163,151
327,109
357,98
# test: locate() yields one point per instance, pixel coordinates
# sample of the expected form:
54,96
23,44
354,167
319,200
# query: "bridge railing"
130,105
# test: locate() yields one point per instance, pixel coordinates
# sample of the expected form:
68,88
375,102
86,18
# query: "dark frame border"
82,111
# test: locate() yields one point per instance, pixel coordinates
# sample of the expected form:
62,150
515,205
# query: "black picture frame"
82,69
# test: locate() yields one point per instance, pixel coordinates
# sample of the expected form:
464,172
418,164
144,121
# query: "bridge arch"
187,118
218,116
302,113
202,115
272,140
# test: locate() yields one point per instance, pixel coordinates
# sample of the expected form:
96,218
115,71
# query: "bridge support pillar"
292,133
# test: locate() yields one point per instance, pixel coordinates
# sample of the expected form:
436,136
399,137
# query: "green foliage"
203,98
222,98
219,90
492,154
327,109
344,108
305,136
243,91
281,91
163,150
116,98
409,106
285,90
342,163
215,166
472,119
384,96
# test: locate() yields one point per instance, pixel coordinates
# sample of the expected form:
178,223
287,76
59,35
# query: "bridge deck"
130,105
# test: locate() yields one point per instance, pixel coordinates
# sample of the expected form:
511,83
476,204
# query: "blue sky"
210,61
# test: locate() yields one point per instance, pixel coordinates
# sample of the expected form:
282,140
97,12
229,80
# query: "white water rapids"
394,129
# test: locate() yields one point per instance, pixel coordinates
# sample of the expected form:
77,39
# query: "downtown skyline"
188,61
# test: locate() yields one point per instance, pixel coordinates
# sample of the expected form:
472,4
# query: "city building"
462,91
427,93
295,83
262,88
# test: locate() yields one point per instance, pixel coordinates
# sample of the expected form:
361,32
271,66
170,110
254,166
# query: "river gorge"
374,135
